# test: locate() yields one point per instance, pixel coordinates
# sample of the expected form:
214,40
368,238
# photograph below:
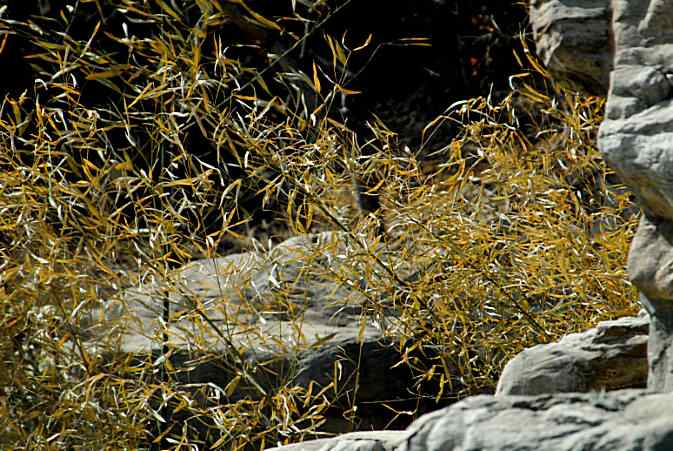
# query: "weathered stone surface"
625,420
572,39
611,356
635,136
281,310
650,262
633,420
265,295
355,441
636,139
660,347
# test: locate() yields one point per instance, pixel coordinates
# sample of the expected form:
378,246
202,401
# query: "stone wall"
629,42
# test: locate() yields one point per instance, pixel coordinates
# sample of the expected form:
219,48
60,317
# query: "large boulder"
610,356
572,39
633,420
635,137
258,297
299,314
624,420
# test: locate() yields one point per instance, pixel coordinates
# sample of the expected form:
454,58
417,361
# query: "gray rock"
575,39
572,40
635,139
611,356
355,441
623,420
281,310
261,301
634,420
660,347
650,264
636,134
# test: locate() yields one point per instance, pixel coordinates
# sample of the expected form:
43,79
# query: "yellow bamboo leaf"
220,441
258,17
365,44
4,42
316,80
249,98
341,56
17,111
124,166
181,182
331,47
105,74
348,92
416,41
49,45
181,406
337,51
140,96
232,385
262,83
309,217
168,10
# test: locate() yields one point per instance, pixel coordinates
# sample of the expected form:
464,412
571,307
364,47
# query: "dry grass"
137,153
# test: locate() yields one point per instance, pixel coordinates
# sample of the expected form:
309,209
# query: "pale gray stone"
271,301
660,345
636,139
625,420
279,309
572,40
650,263
354,441
610,356
636,136
580,44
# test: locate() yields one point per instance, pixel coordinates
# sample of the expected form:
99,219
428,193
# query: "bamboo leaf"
316,79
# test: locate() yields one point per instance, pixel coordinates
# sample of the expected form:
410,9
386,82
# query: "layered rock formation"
573,41
624,420
611,356
635,137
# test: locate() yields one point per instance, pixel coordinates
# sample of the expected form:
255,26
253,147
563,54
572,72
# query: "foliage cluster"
148,141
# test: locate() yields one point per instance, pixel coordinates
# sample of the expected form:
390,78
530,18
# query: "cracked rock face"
622,420
626,420
611,356
636,140
632,40
572,39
